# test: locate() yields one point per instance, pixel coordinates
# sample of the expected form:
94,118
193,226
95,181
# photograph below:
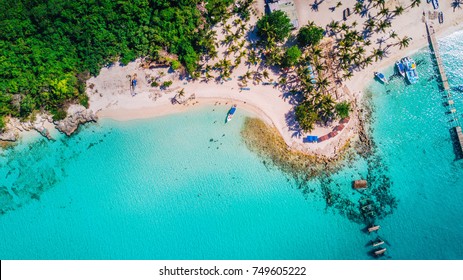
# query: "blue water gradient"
186,187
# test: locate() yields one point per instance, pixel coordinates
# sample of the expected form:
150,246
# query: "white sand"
110,91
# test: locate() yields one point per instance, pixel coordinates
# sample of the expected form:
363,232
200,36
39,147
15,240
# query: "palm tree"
370,24
456,4
226,29
358,7
404,42
322,83
415,3
181,93
378,54
327,107
393,34
384,12
265,74
382,25
347,75
398,10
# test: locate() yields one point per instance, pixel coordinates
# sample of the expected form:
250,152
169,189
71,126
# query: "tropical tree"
310,35
306,116
404,42
291,56
275,25
415,3
378,54
398,10
358,7
342,109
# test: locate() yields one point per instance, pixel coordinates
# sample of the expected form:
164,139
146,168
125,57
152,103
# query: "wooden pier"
435,48
445,83
459,137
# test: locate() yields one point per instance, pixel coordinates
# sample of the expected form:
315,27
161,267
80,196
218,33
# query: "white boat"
435,4
381,77
231,112
400,68
373,228
410,70
377,242
380,251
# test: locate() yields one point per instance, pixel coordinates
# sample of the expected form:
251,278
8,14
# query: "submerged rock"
77,115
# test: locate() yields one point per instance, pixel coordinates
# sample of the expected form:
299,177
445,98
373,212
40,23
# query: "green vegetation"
166,84
291,57
306,116
274,26
49,48
310,35
343,109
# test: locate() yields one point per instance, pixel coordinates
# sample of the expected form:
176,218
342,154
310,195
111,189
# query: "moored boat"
410,70
381,77
373,228
377,242
231,113
400,68
380,251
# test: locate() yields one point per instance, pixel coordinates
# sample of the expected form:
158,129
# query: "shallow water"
186,187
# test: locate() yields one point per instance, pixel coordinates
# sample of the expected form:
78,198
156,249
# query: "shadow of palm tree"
293,125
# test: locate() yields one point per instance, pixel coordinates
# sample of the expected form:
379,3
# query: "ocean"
185,186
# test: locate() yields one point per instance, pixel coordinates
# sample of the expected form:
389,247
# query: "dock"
435,48
459,137
445,83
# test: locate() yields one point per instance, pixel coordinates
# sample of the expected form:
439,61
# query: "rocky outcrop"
9,136
76,115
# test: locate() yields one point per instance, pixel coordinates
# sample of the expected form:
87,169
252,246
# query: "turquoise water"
186,187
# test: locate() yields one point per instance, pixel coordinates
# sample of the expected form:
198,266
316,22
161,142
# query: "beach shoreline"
111,96
112,100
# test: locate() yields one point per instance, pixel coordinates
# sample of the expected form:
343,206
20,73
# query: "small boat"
231,112
377,242
441,17
400,68
373,228
435,4
381,77
380,251
366,207
410,69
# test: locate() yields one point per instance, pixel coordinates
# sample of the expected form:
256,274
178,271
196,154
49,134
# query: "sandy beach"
111,97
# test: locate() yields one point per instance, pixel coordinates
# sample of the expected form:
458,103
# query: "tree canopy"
48,48
276,26
291,56
310,35
306,116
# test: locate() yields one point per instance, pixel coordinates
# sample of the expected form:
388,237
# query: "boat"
440,16
435,4
380,251
410,69
400,68
377,242
231,112
373,228
381,77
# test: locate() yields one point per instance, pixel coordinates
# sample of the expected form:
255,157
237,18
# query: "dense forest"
48,48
